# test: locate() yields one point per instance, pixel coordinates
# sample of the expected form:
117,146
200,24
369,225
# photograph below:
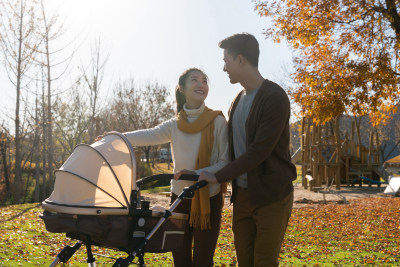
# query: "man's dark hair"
243,44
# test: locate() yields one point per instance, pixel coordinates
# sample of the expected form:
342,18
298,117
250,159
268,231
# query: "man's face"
231,66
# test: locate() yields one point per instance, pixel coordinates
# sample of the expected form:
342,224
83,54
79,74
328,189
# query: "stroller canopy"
96,179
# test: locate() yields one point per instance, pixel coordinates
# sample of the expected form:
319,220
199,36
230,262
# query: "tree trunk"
358,124
49,117
36,155
147,153
339,153
358,130
17,168
93,111
44,150
153,157
3,148
27,181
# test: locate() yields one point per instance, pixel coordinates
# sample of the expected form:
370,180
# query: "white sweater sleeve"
160,134
220,149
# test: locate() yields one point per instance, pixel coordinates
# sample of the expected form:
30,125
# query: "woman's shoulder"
170,121
167,125
220,121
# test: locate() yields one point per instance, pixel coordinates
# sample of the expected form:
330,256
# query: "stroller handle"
165,177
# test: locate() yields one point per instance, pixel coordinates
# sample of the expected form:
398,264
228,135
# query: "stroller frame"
139,251
133,210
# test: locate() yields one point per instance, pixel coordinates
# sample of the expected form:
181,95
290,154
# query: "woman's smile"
195,89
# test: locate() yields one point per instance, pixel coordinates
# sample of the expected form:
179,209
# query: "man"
261,169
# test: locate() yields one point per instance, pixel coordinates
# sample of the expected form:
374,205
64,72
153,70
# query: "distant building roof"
393,162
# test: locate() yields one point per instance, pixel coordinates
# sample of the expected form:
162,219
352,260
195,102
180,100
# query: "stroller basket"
95,200
117,231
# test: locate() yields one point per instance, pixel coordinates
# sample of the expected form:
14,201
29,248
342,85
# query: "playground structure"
328,158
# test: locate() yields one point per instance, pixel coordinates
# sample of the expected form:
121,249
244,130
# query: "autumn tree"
54,61
347,56
71,121
18,43
140,107
92,78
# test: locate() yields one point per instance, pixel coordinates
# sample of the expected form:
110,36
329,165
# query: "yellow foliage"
346,55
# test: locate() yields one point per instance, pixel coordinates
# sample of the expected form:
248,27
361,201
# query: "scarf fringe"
201,221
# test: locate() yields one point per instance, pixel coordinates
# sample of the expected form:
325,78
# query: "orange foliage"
347,56
367,229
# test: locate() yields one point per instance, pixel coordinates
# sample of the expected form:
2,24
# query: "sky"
157,40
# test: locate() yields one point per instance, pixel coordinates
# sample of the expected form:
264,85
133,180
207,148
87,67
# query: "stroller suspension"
69,251
66,254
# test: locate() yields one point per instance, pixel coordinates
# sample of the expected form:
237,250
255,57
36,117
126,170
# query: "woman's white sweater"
185,147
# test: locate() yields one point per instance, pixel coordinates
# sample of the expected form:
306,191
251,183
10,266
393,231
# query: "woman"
198,137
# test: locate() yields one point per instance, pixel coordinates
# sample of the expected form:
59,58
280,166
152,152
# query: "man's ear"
242,59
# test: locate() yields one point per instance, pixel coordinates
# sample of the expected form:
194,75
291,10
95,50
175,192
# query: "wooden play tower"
329,157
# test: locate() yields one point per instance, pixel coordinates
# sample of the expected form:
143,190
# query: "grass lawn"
364,233
159,189
298,180
162,168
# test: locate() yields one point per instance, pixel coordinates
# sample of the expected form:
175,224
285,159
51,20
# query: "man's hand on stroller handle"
209,177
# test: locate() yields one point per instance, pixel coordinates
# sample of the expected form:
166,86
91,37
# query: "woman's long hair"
179,95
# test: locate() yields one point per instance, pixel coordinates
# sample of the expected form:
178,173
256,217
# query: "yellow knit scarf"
200,209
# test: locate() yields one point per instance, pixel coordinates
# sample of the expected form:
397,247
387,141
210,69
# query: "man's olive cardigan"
267,160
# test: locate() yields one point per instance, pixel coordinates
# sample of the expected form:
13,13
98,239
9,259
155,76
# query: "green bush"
144,170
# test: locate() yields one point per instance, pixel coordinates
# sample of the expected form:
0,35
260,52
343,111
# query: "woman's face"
195,89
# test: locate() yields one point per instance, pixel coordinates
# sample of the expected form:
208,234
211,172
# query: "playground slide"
382,173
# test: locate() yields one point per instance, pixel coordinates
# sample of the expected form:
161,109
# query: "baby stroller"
96,200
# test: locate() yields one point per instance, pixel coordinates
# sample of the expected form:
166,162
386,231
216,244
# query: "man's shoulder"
271,89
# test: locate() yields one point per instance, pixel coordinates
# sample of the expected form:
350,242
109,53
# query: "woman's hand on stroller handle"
191,176
178,175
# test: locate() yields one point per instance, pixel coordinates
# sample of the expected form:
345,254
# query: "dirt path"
302,197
